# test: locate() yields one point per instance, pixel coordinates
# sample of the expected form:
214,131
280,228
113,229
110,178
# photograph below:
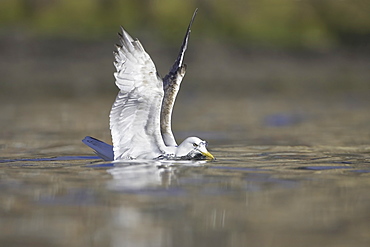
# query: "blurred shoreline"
65,68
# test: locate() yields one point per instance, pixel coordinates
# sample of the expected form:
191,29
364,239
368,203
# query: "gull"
140,118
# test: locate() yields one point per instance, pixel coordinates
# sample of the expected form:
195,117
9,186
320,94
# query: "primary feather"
171,85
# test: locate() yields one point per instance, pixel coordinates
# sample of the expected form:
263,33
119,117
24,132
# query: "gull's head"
194,148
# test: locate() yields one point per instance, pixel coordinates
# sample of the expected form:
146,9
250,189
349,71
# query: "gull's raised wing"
135,114
171,86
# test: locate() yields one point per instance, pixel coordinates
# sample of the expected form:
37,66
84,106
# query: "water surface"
285,175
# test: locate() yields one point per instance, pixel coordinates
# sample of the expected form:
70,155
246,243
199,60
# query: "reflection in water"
132,227
146,176
135,226
135,177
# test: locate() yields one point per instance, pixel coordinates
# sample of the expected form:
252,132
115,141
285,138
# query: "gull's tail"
102,149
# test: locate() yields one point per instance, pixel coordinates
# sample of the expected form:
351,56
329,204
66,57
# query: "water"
278,197
288,173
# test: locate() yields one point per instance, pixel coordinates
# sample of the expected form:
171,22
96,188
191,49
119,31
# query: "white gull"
140,118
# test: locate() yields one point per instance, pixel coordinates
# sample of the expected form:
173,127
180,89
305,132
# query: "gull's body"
140,118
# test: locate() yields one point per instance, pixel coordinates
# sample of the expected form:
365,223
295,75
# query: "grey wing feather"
171,86
180,58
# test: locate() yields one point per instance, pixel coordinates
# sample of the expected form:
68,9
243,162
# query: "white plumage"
140,118
135,115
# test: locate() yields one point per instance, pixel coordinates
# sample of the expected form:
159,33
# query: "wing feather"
135,114
171,85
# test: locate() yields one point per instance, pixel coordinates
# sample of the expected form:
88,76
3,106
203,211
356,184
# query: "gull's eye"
195,145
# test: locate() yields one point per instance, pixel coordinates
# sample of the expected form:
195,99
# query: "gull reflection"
141,176
134,226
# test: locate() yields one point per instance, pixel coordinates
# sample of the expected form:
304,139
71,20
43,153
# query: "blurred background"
251,64
63,48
